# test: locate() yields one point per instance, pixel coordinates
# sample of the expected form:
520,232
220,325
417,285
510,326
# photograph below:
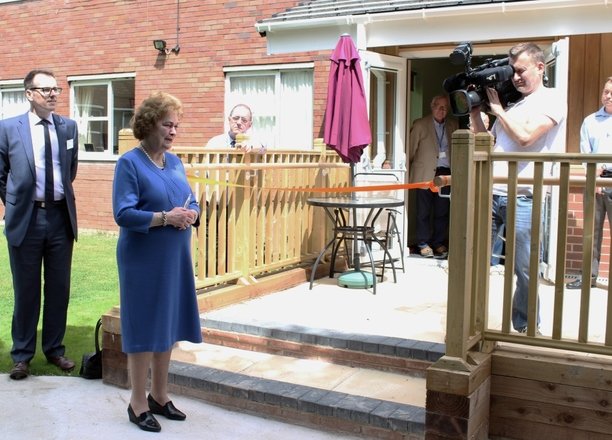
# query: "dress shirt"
443,156
596,134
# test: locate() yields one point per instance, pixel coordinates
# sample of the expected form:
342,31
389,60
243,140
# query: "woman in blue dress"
155,208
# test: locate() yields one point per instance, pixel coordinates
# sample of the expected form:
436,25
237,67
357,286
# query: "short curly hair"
151,110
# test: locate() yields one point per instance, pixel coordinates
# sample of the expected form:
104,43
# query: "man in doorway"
430,144
530,125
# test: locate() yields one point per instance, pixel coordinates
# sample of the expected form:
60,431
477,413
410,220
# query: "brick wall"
93,191
90,37
80,37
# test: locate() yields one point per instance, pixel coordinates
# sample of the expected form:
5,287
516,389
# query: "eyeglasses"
46,91
241,119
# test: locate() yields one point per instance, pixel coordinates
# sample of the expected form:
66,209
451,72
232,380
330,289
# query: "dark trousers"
48,243
432,215
603,206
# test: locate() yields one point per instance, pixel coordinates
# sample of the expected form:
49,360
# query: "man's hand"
248,145
494,102
476,122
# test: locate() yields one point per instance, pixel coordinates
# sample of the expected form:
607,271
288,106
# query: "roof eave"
480,22
268,26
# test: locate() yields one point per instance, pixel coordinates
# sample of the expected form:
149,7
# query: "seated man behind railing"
240,120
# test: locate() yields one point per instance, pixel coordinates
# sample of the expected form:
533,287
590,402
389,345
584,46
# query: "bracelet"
164,218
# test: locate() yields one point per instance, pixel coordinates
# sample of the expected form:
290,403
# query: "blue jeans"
524,207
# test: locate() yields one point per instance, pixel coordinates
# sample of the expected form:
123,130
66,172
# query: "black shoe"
145,421
168,410
577,284
20,370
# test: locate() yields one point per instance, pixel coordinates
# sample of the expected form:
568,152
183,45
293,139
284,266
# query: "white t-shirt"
543,101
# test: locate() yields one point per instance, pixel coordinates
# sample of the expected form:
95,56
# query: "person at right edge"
596,138
529,125
155,209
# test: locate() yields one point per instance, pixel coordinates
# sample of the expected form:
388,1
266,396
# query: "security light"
163,48
160,45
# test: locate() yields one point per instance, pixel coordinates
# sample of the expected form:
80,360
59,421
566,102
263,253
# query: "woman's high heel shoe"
168,410
145,421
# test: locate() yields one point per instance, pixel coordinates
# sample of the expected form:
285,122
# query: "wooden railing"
479,312
255,219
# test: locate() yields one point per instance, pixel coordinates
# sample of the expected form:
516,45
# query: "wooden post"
458,385
461,245
114,360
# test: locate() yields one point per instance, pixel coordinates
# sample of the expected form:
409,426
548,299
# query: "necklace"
163,165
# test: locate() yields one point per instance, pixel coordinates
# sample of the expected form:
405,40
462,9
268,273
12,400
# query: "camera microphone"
462,54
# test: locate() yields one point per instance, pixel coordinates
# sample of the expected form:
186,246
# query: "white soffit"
531,19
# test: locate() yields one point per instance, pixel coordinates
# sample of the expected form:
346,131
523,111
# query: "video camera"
466,89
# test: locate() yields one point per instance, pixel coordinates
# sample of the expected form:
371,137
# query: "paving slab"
64,407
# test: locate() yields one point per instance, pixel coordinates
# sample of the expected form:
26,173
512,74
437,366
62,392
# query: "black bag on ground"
91,366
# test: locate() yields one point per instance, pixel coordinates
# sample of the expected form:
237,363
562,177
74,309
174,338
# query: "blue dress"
156,280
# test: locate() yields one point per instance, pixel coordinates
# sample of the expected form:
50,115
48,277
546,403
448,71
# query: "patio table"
356,230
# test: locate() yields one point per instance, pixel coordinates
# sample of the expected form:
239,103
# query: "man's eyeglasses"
241,119
46,91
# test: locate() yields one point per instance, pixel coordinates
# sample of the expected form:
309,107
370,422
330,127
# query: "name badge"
442,154
69,144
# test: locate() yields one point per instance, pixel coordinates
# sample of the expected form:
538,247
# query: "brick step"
361,401
354,349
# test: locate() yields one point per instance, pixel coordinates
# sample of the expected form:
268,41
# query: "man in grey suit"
38,163
430,143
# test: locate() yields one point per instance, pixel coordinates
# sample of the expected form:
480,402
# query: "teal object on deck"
356,279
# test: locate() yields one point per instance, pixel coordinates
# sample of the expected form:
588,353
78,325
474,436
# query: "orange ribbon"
345,189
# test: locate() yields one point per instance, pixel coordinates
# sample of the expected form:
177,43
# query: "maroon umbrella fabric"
347,128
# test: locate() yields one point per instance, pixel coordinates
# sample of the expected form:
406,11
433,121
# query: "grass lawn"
94,290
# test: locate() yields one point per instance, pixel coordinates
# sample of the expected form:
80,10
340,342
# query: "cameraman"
529,125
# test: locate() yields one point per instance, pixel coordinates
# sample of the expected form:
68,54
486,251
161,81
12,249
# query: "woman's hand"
181,218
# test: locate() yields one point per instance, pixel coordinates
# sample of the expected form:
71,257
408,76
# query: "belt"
45,205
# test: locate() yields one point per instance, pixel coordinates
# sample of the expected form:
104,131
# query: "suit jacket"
424,148
18,174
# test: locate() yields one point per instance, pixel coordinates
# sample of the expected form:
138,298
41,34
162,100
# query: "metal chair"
386,228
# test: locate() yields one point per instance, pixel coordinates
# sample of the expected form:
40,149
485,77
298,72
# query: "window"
281,99
102,106
12,100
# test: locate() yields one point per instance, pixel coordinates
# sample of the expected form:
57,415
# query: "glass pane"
383,84
123,102
258,92
14,103
94,138
91,101
295,116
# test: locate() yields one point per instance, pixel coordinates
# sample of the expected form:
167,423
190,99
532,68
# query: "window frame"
98,80
13,85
